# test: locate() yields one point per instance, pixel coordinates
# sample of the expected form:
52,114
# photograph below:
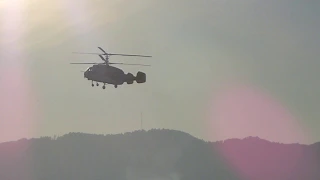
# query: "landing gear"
97,84
104,85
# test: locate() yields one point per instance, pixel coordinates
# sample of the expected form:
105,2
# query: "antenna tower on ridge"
141,121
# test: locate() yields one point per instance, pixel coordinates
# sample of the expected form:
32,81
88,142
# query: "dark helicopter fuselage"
107,74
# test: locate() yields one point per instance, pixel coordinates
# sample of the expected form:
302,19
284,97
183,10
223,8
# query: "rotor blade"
111,53
105,53
131,64
129,55
102,57
84,63
86,53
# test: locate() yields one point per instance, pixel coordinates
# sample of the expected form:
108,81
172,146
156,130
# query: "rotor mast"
106,59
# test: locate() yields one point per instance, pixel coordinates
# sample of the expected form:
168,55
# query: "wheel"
97,84
92,85
115,86
103,87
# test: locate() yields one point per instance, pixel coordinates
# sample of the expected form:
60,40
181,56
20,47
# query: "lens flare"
17,110
16,105
242,111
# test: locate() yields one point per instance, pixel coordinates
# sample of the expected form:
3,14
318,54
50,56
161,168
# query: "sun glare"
16,106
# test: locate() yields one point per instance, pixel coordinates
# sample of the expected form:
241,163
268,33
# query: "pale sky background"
198,48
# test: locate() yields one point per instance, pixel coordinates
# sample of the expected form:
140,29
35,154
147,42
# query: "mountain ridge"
152,130
156,154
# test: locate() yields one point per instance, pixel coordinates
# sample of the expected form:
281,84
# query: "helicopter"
107,74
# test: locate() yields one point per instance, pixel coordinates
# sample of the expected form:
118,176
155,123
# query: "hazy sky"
199,48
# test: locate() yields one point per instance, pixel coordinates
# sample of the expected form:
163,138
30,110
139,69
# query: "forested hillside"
156,154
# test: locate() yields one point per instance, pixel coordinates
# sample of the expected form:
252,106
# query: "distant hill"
156,154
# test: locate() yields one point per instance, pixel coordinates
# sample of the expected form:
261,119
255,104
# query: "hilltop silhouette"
156,154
